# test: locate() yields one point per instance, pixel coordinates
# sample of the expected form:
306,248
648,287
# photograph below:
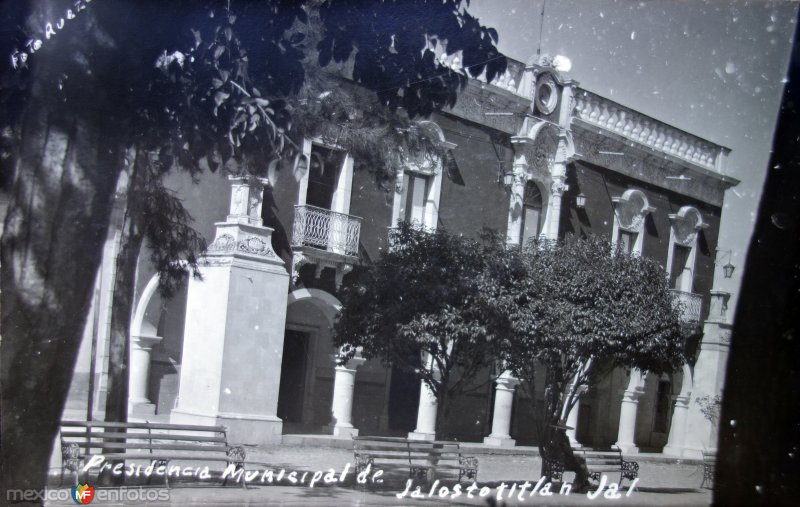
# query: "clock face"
546,96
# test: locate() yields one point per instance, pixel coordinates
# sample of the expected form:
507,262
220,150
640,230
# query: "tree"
417,309
575,308
87,87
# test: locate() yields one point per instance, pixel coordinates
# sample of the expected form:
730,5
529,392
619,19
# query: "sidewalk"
661,483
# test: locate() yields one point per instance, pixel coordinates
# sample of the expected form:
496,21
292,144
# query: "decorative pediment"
686,223
632,208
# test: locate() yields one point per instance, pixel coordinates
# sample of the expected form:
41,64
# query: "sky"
715,68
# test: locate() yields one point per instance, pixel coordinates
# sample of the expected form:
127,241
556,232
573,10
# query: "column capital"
506,381
145,342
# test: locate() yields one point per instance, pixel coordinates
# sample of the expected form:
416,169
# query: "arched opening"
306,385
531,212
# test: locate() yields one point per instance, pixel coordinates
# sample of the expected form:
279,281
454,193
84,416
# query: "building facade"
530,154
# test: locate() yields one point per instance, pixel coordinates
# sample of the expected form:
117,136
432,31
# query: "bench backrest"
98,436
415,452
595,458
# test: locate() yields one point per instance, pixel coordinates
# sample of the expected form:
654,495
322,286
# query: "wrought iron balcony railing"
326,230
692,305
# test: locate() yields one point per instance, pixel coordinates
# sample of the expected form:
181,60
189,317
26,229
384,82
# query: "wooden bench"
423,459
598,463
709,467
157,443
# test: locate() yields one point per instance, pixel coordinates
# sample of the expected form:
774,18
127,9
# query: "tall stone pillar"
501,419
709,377
426,416
572,418
677,428
343,389
234,330
627,414
141,348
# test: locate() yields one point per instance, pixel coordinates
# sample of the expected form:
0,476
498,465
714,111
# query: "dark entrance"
293,376
403,401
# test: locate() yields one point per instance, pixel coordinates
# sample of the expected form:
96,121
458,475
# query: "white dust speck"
227,390
633,35
601,14
730,67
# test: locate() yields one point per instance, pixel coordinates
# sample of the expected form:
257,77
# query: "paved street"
660,483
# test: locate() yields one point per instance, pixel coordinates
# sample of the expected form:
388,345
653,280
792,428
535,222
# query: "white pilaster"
503,403
343,389
233,336
141,348
627,414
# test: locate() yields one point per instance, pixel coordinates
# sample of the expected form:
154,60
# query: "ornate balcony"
324,238
692,305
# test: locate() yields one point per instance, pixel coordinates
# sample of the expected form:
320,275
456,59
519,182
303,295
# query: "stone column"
557,191
572,418
343,389
234,330
572,424
426,416
503,403
141,347
677,428
627,413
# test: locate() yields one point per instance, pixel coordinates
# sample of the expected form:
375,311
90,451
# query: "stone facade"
249,345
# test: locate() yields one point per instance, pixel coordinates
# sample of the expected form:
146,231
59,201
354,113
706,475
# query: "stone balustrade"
639,128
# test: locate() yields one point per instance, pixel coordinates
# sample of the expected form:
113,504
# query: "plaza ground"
661,482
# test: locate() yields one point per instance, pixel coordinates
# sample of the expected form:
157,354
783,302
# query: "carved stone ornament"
631,210
544,153
558,188
255,246
225,243
251,245
685,225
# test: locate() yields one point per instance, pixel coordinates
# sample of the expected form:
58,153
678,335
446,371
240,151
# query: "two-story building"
532,153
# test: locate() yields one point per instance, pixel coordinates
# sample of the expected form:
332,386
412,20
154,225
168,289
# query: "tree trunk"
122,301
51,247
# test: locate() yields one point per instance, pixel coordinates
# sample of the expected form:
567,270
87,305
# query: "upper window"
686,223
414,195
630,211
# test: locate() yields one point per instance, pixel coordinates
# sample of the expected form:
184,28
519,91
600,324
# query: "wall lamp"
728,268
505,176
580,200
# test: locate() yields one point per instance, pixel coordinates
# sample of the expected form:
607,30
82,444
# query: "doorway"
291,394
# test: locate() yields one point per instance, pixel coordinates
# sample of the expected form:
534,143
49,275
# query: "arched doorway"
307,374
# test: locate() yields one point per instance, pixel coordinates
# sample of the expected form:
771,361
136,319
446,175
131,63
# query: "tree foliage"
417,308
573,307
200,86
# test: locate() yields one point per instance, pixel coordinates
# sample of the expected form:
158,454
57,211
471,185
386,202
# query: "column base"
342,431
682,452
627,448
141,409
417,435
247,429
499,441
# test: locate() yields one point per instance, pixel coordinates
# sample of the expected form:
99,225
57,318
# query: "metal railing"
692,305
326,230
